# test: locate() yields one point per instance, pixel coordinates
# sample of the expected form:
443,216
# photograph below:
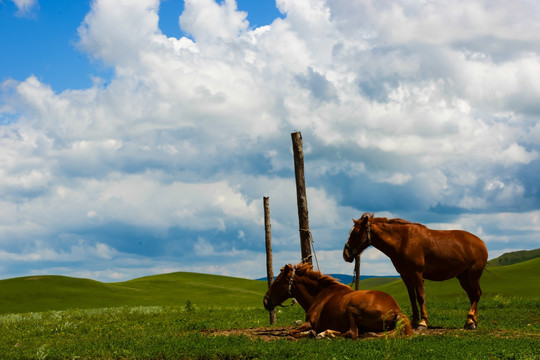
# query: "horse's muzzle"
347,255
268,303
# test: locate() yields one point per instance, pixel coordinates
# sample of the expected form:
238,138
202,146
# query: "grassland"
42,293
180,316
188,332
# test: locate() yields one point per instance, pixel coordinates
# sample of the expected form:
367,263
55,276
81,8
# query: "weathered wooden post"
301,197
357,272
268,241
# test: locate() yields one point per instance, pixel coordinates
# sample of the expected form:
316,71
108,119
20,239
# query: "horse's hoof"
470,325
330,334
422,326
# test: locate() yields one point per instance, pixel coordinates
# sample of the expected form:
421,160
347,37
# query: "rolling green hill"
41,293
514,257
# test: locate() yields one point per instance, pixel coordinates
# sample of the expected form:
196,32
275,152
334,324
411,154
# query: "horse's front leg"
329,334
412,298
303,330
414,307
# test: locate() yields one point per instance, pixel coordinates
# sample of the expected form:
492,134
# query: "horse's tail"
403,325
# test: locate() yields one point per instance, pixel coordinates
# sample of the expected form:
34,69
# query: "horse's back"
460,243
448,253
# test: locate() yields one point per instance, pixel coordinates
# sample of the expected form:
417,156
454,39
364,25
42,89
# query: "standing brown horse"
420,253
332,307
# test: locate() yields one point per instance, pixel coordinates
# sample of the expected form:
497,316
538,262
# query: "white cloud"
79,251
139,200
517,154
117,45
207,20
442,23
394,179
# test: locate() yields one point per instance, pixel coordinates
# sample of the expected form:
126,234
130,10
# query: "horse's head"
359,237
280,289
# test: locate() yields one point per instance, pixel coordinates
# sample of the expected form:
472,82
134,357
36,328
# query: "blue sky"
139,137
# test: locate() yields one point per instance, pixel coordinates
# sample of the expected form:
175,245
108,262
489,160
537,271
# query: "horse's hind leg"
421,298
470,282
354,318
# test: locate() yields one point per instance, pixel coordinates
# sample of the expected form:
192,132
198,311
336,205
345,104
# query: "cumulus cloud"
207,20
426,111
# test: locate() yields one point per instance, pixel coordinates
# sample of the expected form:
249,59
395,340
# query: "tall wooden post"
301,197
268,241
357,272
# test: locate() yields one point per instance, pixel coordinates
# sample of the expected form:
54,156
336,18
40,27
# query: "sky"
139,137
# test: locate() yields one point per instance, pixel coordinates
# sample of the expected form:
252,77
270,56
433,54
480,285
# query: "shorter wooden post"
268,242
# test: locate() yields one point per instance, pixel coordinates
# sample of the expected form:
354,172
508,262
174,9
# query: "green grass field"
179,316
41,293
186,333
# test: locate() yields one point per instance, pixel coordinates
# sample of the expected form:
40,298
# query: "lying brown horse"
334,308
420,253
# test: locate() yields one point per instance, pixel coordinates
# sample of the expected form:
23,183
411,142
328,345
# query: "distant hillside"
514,257
42,293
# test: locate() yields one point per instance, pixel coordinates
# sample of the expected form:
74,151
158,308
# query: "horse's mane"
396,221
306,269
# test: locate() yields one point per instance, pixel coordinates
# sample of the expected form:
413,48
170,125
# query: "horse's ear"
288,267
366,217
356,221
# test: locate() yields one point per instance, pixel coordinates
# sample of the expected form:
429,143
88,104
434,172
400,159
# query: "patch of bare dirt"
263,333
276,333
438,331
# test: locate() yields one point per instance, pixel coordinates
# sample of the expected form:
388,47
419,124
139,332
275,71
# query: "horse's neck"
387,237
305,291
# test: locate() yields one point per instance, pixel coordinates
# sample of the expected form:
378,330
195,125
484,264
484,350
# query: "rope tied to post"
312,244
